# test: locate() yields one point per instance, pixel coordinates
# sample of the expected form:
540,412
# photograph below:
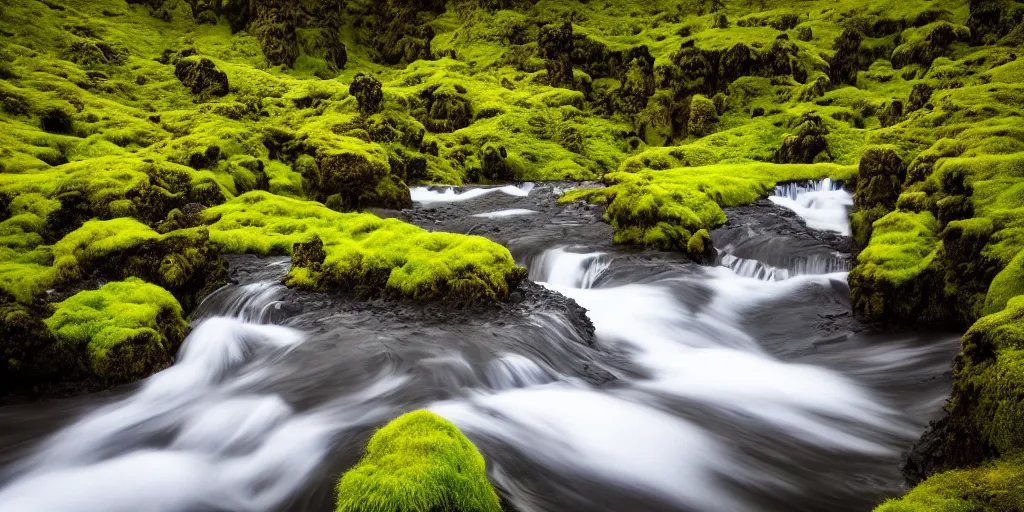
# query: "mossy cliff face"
419,461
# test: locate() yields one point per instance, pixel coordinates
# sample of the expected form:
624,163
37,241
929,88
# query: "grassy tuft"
419,461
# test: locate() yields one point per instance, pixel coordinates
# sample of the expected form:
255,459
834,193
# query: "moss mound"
419,461
666,209
127,329
361,252
997,487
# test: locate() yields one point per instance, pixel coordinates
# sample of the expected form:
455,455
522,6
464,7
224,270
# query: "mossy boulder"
367,91
201,76
30,356
127,330
880,179
702,116
184,262
419,461
447,108
846,62
894,278
806,144
700,248
555,46
364,254
353,177
924,45
993,487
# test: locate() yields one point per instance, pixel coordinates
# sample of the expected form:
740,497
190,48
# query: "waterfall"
559,267
427,195
823,204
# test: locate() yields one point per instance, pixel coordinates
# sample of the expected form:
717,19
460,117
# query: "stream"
617,379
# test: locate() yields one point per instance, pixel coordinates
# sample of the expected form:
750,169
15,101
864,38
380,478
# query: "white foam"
597,434
451,195
701,355
823,204
559,267
515,212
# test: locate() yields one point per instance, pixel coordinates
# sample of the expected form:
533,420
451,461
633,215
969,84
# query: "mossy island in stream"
141,140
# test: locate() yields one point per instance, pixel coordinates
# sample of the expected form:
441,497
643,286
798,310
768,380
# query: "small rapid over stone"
617,379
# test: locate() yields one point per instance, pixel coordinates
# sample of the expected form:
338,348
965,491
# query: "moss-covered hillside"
140,140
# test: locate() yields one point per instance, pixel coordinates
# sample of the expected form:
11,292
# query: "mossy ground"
361,252
120,122
419,461
127,329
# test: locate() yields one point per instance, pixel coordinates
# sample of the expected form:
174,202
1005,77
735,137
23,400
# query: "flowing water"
702,389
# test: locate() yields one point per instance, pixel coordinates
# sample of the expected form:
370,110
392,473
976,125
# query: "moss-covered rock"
367,91
127,330
996,487
702,116
887,283
807,142
30,356
666,208
880,178
419,461
201,76
363,253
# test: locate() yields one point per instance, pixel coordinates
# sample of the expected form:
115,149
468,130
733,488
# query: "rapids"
740,387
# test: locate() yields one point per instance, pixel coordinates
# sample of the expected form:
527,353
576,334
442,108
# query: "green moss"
128,329
996,487
890,281
1007,284
664,208
364,253
419,461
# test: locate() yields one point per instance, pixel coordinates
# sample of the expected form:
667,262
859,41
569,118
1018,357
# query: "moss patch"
127,329
362,252
665,208
419,461
997,487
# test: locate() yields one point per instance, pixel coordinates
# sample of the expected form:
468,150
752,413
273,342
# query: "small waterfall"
201,432
814,264
559,267
511,371
515,212
426,195
823,204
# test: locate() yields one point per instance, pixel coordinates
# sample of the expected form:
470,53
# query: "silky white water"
822,204
700,410
426,195
515,212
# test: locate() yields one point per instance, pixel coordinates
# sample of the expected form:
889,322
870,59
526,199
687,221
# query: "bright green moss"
902,245
1007,284
995,487
419,461
664,208
128,329
363,252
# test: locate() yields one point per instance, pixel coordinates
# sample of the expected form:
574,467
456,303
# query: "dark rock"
367,91
201,76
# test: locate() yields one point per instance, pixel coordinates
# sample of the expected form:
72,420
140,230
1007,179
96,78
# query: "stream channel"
615,379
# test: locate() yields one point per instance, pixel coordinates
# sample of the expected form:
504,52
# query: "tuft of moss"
887,283
127,329
994,487
419,461
201,76
665,208
363,253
